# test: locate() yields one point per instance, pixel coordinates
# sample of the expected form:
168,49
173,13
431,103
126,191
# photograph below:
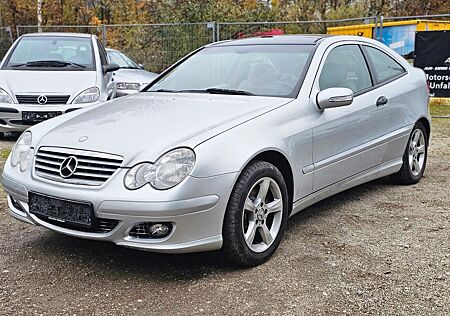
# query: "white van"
44,75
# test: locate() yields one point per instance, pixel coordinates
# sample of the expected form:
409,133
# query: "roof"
274,40
58,34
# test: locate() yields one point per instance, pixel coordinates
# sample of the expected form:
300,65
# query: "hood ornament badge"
83,139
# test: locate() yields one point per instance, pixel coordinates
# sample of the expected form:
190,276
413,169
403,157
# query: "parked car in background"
131,77
44,75
225,145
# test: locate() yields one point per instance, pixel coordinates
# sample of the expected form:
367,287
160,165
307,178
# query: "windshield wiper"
219,91
71,63
49,63
209,90
165,90
227,91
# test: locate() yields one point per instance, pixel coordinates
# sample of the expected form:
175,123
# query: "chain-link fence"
158,46
6,40
236,30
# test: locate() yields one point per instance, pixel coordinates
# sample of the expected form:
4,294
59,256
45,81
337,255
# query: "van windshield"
52,53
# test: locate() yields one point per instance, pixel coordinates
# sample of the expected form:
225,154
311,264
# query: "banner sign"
432,54
399,38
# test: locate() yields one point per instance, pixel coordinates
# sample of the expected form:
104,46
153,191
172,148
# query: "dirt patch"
375,249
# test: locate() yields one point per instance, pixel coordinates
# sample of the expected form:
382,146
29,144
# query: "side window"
385,66
345,67
102,52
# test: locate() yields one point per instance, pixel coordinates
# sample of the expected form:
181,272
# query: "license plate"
37,117
59,210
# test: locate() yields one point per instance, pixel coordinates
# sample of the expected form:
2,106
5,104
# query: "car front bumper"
11,114
196,217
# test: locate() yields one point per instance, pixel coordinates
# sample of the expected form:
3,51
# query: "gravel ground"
374,249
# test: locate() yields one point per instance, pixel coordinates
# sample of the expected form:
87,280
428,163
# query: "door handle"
382,101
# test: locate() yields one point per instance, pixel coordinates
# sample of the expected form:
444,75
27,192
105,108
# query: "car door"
340,133
387,70
107,84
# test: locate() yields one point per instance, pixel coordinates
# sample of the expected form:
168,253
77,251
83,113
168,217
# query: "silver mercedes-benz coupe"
223,147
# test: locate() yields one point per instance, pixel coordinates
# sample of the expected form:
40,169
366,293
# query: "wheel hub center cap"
260,214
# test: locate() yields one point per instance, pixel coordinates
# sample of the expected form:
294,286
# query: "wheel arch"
427,125
280,161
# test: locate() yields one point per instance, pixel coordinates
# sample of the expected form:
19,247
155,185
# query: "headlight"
168,171
22,153
87,96
128,86
4,97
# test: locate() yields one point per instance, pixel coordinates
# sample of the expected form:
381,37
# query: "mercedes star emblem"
68,167
42,99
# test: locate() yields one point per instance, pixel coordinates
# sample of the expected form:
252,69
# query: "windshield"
122,60
263,70
52,52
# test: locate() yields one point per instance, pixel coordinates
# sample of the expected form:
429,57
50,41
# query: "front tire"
414,157
256,215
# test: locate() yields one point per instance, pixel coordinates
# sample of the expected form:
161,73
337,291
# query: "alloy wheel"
262,214
417,152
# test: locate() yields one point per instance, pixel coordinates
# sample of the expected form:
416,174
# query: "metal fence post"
17,31
375,18
104,35
218,31
8,29
212,26
381,29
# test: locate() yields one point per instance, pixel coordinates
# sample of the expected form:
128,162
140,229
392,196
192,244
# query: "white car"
44,75
131,77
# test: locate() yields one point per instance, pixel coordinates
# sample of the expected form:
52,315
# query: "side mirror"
334,97
110,68
141,66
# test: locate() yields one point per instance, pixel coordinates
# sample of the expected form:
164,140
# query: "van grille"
51,99
92,168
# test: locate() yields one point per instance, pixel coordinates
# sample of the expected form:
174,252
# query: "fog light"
151,230
159,230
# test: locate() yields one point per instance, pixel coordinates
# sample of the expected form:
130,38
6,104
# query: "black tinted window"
345,67
385,66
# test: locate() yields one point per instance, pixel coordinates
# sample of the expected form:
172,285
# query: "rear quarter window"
385,66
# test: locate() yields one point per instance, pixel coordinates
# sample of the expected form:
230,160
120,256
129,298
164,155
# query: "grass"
440,110
4,153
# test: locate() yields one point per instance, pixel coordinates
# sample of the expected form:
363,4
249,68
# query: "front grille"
93,168
51,99
99,225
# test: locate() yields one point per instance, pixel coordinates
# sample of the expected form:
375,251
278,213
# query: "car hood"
143,126
41,82
134,76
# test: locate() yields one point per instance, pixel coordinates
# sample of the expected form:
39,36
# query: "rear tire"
414,157
256,215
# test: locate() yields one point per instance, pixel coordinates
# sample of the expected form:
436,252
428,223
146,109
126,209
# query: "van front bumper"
11,114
